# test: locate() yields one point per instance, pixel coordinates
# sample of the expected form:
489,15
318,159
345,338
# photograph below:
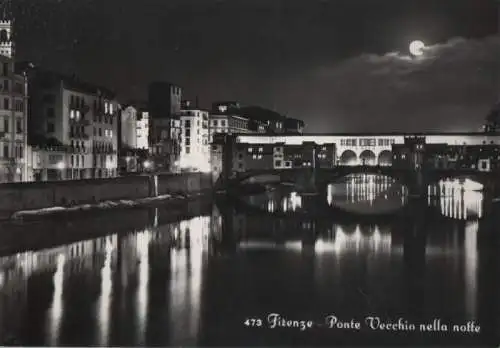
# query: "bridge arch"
385,158
348,158
367,158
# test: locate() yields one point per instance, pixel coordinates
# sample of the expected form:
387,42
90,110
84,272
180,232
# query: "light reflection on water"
342,254
460,199
367,194
457,198
188,241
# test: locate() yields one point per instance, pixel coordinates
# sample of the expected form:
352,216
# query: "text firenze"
276,320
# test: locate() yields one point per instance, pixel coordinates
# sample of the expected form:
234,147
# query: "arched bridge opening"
367,158
385,158
348,158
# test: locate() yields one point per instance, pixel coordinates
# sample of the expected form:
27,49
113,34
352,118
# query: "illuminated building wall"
142,130
195,150
80,117
128,125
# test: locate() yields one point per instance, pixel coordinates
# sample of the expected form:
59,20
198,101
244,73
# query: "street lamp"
61,167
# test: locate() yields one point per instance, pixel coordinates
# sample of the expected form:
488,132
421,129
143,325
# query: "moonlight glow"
417,48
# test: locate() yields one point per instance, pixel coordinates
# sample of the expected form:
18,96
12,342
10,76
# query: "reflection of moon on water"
417,48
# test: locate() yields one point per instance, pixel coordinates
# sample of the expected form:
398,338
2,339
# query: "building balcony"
81,122
79,136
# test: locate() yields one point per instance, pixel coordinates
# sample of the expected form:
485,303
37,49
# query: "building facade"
83,118
13,121
128,128
142,130
164,103
195,150
230,156
7,39
50,163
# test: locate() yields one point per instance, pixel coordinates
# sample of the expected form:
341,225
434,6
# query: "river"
214,273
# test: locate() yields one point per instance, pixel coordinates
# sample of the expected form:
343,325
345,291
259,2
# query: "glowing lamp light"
61,165
147,164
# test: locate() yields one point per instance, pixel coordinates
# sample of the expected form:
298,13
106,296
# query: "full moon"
417,48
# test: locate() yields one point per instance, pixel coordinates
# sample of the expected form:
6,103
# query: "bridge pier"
488,310
414,254
417,183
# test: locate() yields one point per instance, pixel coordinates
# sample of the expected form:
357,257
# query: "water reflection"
282,200
457,198
191,240
56,310
471,268
367,194
142,239
339,264
188,241
105,298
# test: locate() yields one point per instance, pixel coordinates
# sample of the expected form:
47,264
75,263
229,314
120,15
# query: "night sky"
333,63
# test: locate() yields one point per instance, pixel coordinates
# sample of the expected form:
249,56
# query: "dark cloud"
450,88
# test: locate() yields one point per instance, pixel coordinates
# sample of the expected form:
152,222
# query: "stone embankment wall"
37,195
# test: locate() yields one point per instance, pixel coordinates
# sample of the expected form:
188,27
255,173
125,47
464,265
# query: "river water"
213,274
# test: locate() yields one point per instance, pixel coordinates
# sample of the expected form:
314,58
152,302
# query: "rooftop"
72,82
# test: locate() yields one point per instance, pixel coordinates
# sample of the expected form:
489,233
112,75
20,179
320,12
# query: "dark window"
6,151
6,126
50,127
278,163
19,127
6,103
51,112
49,98
6,85
188,141
187,149
5,69
4,37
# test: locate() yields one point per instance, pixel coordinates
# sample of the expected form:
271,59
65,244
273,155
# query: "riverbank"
27,215
52,230
81,195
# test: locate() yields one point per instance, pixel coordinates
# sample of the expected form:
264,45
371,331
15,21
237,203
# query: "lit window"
110,108
77,114
260,157
261,149
72,114
106,107
250,150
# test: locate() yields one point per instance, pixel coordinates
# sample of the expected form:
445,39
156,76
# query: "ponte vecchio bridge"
375,149
241,155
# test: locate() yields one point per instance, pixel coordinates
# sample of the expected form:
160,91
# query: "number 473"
252,322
